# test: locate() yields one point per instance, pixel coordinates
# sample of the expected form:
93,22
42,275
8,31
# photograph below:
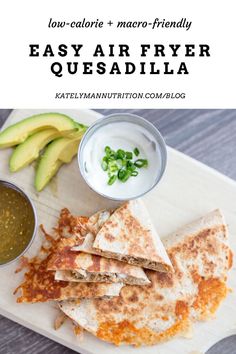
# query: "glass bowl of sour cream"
128,133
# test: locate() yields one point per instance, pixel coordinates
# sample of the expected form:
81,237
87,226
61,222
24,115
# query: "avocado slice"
29,150
60,151
19,132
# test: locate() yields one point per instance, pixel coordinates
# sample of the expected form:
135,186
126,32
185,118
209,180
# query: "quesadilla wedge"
167,307
94,224
39,283
89,267
129,236
40,286
83,267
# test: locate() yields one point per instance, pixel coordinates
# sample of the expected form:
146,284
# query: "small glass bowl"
130,118
18,189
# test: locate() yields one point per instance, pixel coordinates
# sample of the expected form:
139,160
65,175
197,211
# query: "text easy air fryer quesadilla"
150,314
129,236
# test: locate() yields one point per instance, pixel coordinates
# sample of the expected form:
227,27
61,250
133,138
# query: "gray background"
207,135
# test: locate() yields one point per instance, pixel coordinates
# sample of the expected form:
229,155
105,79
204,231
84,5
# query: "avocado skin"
58,152
19,132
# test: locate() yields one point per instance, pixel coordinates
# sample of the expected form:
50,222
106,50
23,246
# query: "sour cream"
126,135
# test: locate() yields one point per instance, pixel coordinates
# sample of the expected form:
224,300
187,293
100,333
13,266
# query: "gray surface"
207,135
225,346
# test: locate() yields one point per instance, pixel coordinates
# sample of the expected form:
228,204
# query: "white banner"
106,54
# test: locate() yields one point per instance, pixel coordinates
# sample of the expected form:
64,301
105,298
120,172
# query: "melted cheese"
210,293
126,332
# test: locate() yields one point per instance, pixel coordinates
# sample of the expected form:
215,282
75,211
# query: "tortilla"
83,267
40,286
129,236
87,267
168,306
94,224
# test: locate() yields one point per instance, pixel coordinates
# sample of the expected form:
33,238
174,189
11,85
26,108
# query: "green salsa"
17,223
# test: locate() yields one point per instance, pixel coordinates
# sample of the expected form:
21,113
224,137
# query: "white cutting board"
187,191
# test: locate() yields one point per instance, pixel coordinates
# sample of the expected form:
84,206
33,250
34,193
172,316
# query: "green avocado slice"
19,132
60,151
29,150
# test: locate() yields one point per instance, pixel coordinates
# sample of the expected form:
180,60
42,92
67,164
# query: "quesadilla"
129,236
39,283
40,286
167,307
83,267
94,224
86,266
89,267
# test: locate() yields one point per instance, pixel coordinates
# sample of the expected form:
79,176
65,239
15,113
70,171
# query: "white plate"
188,190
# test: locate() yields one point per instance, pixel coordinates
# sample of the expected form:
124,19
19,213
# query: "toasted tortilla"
94,224
39,283
83,267
40,286
168,306
129,236
90,267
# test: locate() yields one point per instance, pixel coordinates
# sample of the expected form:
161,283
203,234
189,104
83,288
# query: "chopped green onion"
121,174
112,180
120,154
112,163
107,150
112,155
106,159
120,165
130,166
129,155
124,175
141,163
104,165
113,168
127,176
